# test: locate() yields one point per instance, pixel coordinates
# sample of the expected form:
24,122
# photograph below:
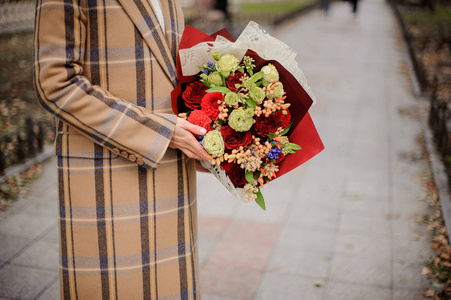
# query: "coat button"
124,154
116,151
140,161
132,157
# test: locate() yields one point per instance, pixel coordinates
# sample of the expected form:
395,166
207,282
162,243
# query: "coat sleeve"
120,126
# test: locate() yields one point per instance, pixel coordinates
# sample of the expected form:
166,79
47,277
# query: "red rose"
232,80
237,175
234,139
210,104
193,94
198,117
266,125
281,157
227,166
285,119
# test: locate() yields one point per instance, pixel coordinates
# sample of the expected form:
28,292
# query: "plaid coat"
127,206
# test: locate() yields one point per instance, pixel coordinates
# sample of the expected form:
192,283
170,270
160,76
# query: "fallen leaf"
428,293
425,271
318,283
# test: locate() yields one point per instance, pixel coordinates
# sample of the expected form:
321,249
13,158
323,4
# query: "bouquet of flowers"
250,106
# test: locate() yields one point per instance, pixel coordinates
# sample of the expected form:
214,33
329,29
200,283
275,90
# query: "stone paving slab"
52,292
23,282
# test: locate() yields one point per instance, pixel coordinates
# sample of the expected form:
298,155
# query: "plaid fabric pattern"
127,206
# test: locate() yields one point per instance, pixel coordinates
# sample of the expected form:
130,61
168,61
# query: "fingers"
196,147
201,168
204,155
194,128
184,140
190,154
196,154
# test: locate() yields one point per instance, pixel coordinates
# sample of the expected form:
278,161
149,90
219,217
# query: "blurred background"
365,219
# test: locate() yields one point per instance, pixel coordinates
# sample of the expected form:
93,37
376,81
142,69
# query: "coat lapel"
143,16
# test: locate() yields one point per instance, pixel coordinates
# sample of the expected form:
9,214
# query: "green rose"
231,99
269,72
213,143
216,54
227,64
257,93
215,78
241,119
277,92
204,77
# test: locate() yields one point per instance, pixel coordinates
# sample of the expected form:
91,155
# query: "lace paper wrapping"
253,37
221,175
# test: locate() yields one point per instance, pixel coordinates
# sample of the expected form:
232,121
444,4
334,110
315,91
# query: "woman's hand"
200,168
184,140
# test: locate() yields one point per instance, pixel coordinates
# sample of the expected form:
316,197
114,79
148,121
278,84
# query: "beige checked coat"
127,202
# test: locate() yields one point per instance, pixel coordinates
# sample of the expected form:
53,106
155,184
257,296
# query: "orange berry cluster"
238,155
223,112
271,106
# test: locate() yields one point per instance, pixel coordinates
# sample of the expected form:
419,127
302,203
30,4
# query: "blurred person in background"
354,6
325,6
126,177
219,11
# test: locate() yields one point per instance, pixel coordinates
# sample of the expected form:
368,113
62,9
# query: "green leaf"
257,174
206,83
221,89
241,70
237,86
251,103
289,151
249,176
256,77
285,131
271,136
223,80
294,146
260,200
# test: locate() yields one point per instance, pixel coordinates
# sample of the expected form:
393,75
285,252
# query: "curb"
417,65
17,169
434,159
439,176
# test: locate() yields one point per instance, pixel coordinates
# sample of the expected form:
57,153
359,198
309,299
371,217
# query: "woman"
127,194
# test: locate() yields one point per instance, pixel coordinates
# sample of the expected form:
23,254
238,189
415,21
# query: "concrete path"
339,227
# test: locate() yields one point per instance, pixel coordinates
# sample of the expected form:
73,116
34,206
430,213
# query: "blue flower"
274,153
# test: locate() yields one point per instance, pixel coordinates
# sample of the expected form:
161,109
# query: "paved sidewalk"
342,221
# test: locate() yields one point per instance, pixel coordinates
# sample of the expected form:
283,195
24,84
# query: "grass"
434,22
279,7
430,34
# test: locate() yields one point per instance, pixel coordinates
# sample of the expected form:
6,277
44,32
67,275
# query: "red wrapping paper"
302,131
